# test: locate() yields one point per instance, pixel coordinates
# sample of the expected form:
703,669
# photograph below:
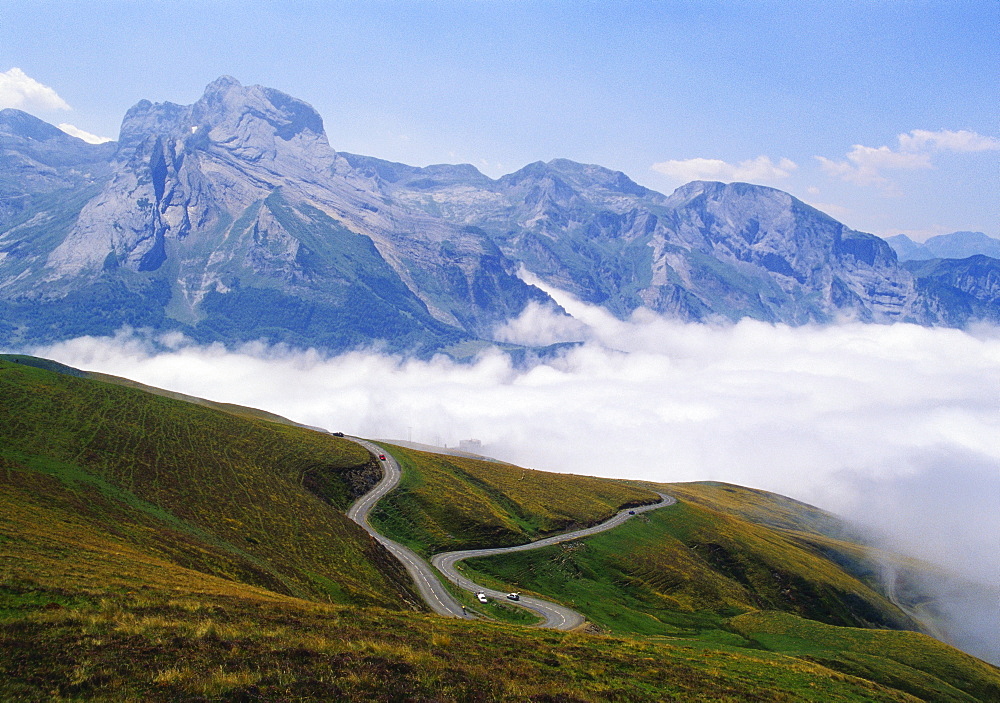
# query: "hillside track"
434,593
555,616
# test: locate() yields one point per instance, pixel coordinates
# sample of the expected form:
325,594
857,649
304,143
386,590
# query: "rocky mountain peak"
146,119
592,176
251,123
212,214
562,183
37,155
227,104
221,85
956,245
717,191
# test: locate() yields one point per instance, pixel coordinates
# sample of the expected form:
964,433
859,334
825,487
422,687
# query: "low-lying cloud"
74,131
896,427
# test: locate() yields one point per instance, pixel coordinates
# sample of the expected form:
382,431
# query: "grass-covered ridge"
105,483
703,571
445,503
910,661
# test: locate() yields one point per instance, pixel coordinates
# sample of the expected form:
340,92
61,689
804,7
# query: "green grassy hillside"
445,503
909,661
105,483
158,550
702,571
230,408
155,645
685,568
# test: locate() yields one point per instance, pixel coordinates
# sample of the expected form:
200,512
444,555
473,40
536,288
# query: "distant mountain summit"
233,219
957,245
708,251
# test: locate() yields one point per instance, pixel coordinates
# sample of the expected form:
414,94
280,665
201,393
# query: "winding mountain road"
428,584
554,616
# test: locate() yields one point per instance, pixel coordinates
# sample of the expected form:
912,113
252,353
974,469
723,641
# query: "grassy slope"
127,571
106,483
690,570
683,569
161,646
238,410
909,661
445,503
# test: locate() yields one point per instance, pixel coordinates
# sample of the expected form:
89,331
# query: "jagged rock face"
233,219
959,291
37,159
710,250
242,192
183,170
808,266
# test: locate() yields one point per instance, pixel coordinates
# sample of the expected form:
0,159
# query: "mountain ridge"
956,245
233,219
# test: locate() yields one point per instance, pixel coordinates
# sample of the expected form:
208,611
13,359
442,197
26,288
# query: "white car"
482,597
514,596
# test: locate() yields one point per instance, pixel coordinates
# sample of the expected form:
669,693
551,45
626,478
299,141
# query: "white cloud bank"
759,170
864,164
75,131
897,427
20,91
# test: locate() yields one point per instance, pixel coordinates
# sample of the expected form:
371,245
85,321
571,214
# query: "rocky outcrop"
959,291
710,250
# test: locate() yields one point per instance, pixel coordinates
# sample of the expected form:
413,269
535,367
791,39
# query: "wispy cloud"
75,131
20,91
759,170
945,140
864,165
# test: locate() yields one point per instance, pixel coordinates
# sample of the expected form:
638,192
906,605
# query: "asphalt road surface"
431,589
555,616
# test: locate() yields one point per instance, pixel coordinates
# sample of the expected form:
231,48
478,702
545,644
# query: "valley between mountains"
162,547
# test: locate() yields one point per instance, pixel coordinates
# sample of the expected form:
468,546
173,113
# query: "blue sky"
810,97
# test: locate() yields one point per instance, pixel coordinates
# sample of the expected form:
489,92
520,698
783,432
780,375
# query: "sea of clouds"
895,427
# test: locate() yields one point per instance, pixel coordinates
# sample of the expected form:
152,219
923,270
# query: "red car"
381,457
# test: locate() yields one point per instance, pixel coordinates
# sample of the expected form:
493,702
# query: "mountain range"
957,245
233,219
